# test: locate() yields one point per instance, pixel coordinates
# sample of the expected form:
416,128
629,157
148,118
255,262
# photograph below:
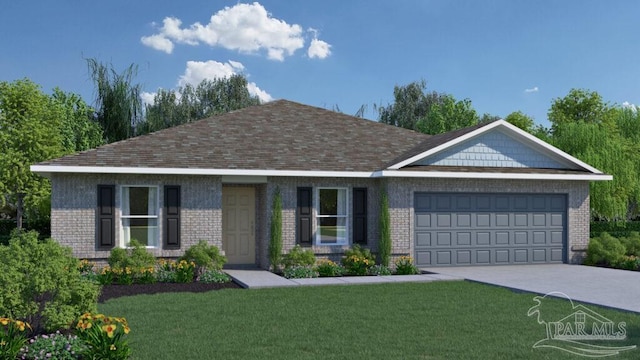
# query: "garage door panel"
470,229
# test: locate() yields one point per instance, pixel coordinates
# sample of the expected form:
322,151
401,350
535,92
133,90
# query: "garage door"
489,229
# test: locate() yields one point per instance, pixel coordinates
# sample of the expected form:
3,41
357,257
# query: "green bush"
204,256
405,266
379,270
632,243
40,283
629,263
57,346
300,272
135,257
604,250
357,260
384,252
328,268
213,276
298,257
275,241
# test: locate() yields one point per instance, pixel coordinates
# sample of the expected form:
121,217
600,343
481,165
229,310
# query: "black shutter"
171,217
304,214
106,229
360,216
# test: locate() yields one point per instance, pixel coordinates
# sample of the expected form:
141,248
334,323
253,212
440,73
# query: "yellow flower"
3,343
112,347
126,329
4,321
109,329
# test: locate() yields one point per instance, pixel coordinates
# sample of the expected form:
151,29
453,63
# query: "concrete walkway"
618,289
254,279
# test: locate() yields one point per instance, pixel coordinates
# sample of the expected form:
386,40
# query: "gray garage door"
489,229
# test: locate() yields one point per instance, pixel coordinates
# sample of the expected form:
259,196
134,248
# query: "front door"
238,218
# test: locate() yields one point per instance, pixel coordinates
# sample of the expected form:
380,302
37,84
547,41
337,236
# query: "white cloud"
532,90
147,97
247,28
318,49
628,105
158,42
254,90
197,71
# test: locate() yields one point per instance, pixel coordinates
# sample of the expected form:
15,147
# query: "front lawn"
439,320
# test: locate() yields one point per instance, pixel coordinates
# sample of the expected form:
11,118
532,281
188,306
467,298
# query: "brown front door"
238,219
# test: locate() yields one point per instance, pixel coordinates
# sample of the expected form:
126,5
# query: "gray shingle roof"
280,135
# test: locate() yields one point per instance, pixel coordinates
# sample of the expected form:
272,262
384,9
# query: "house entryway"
238,224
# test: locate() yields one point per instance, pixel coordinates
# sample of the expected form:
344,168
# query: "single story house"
487,194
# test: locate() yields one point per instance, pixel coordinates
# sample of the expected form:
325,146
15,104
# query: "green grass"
439,320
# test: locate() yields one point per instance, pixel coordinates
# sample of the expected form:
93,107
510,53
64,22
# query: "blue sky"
503,55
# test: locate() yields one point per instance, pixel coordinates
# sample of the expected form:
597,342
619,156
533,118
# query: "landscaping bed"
113,291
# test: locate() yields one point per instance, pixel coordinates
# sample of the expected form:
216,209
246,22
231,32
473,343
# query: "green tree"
580,105
603,136
119,107
411,103
447,115
430,112
275,241
78,129
29,133
189,103
521,120
487,118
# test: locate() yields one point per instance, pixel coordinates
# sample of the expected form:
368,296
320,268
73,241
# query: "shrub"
328,268
213,276
384,252
300,272
404,266
357,260
53,346
275,241
379,270
40,282
185,271
135,257
632,243
12,337
298,257
166,272
604,250
103,336
204,256
631,262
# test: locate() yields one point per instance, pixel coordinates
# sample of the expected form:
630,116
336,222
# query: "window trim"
317,216
122,240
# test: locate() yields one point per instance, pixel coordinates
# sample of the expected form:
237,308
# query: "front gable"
496,148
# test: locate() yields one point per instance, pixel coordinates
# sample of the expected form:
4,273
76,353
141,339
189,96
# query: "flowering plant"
404,266
103,336
12,337
357,260
328,268
53,346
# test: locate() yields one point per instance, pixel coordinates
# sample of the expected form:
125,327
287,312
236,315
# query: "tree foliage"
521,120
78,129
118,102
189,103
604,137
429,112
29,133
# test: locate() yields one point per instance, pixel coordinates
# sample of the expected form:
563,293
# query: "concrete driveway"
618,289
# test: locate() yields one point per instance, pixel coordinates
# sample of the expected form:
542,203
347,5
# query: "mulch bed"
116,291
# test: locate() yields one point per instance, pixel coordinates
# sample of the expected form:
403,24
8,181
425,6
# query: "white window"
140,215
331,216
